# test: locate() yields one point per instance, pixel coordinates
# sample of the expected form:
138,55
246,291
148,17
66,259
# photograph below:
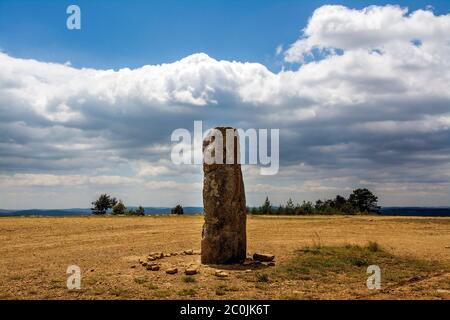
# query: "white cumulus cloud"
369,102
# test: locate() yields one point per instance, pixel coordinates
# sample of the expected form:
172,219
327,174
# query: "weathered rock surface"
224,232
252,263
153,267
191,271
264,257
172,271
220,274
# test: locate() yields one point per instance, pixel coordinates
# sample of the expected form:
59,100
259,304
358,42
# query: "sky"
358,90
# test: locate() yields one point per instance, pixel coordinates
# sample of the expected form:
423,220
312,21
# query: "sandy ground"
36,251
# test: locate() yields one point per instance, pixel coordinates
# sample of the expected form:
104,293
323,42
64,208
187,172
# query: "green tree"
307,207
103,204
119,208
290,207
266,207
177,210
319,205
363,200
280,210
348,208
339,201
140,211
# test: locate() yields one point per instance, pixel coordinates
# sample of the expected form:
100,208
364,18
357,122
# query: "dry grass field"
316,258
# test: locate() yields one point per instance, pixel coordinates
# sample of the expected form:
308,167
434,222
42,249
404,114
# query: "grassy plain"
316,258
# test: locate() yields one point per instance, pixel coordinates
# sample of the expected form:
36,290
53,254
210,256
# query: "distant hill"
416,211
2,211
87,211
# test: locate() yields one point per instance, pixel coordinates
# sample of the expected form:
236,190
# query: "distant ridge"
416,211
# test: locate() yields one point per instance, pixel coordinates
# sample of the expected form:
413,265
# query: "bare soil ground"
36,251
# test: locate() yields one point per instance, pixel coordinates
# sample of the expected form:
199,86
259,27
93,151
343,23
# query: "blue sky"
118,34
359,92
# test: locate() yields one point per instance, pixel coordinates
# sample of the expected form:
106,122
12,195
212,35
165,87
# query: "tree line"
361,201
106,204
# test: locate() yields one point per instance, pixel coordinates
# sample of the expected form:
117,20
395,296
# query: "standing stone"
224,231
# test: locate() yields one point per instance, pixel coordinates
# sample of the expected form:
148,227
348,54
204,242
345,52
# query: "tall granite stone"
224,239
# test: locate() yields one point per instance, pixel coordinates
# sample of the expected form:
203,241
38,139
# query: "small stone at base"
171,270
221,274
191,271
264,257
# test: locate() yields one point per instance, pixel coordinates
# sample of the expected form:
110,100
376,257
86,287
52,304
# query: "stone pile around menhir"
151,262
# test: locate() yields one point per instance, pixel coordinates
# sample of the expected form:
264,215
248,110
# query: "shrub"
373,246
140,211
177,210
189,279
119,208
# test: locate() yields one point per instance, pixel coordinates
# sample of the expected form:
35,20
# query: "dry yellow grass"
36,251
